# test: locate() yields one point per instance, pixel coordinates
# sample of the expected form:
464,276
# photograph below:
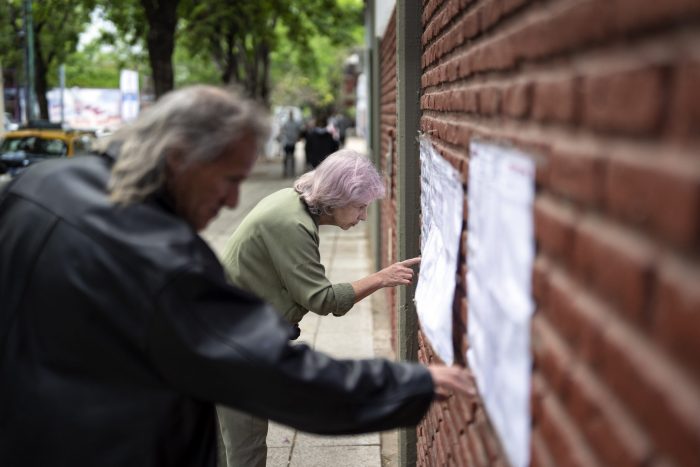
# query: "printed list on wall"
500,253
441,209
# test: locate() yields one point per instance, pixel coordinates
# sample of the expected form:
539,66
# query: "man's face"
200,189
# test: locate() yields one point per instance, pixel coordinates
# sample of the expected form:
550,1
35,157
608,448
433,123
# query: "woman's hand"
398,273
452,379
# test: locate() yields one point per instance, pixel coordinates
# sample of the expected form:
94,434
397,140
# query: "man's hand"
398,273
452,379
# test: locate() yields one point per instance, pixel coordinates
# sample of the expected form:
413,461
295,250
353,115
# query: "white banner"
86,108
129,87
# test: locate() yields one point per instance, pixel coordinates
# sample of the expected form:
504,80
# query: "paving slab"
336,456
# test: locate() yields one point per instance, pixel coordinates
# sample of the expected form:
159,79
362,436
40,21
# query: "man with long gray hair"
118,329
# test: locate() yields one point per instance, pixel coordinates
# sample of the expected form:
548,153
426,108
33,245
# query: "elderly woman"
274,254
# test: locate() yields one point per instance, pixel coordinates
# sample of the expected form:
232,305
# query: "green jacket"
274,254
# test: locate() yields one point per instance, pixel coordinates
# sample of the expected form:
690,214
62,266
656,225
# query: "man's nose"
231,199
363,214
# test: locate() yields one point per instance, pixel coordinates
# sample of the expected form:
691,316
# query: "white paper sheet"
499,258
442,198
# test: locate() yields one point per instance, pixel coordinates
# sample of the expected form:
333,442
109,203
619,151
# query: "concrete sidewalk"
365,329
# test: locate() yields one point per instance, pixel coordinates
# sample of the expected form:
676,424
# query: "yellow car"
22,148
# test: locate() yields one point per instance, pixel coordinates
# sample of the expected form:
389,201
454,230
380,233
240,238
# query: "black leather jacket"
118,333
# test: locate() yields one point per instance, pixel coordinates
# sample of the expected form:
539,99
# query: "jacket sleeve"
213,342
298,263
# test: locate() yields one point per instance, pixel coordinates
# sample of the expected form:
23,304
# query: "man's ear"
174,161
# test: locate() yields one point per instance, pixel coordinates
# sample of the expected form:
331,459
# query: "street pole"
62,86
2,102
29,58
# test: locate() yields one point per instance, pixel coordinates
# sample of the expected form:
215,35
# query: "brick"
560,308
567,445
684,117
630,15
494,11
577,172
591,315
566,25
658,394
489,101
660,194
476,446
451,427
491,442
538,391
540,281
554,227
628,101
552,356
540,456
610,430
517,100
677,311
576,315
618,263
554,100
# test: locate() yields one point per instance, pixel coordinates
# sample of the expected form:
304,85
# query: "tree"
57,28
154,21
57,25
97,66
241,36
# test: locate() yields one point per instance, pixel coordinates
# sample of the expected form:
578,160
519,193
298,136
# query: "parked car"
21,148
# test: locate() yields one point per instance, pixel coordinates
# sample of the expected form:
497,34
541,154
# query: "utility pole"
29,58
62,87
2,102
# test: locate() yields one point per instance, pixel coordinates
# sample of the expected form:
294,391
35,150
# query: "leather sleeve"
219,344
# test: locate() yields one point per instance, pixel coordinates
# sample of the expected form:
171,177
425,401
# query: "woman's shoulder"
283,209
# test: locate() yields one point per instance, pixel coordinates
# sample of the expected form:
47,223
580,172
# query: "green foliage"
311,76
130,20
289,52
195,69
253,43
11,35
99,66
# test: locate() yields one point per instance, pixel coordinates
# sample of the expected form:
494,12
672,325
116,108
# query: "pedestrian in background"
289,135
320,142
341,123
118,329
274,253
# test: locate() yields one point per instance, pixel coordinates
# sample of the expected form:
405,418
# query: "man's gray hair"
199,122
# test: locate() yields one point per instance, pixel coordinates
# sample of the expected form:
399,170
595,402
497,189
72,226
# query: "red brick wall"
606,94
388,155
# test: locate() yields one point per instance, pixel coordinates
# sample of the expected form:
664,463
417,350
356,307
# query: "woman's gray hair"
343,178
199,122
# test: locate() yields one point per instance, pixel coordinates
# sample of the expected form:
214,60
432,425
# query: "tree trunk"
265,78
162,20
229,66
40,71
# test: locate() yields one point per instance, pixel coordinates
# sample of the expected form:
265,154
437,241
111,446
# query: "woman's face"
349,215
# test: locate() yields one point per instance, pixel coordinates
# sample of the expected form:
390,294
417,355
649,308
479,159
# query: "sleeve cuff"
345,298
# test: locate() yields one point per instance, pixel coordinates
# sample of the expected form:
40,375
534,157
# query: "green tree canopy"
57,28
245,40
